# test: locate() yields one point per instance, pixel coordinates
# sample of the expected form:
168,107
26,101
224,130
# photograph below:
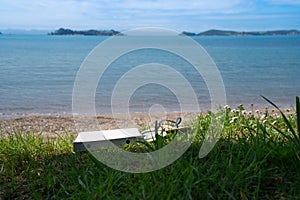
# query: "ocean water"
37,73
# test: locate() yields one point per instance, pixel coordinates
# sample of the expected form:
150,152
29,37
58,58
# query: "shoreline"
51,126
247,107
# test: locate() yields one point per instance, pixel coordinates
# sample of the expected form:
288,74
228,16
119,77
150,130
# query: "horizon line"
124,30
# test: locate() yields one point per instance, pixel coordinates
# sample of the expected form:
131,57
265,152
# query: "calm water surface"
37,73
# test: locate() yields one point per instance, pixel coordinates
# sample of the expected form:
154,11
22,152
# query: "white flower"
233,120
244,112
257,111
226,107
233,111
250,113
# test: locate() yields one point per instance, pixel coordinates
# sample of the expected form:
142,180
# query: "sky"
122,15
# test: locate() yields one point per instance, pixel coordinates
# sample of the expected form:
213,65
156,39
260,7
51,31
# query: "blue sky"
189,15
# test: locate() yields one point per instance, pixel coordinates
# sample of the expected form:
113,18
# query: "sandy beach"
50,126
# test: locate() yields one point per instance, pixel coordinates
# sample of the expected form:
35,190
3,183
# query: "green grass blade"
147,144
287,122
263,129
265,98
159,141
298,115
286,136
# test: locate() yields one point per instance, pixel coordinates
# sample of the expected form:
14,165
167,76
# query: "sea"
37,73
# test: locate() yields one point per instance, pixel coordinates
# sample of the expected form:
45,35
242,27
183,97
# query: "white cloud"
199,5
124,14
46,13
95,13
252,16
284,2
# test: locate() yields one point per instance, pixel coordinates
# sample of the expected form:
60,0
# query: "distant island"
214,32
0,33
63,31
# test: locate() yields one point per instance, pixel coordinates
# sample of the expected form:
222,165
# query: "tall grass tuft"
295,132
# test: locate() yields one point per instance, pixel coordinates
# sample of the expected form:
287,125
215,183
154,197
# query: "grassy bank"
252,160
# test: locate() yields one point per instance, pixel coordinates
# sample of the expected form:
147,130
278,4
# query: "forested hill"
214,32
63,31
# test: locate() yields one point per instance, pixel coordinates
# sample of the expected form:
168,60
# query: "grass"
252,160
